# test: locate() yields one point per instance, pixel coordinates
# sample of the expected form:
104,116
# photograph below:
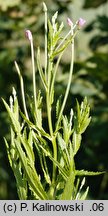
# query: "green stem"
12,133
46,54
55,158
49,113
33,69
69,83
48,101
58,61
53,185
48,68
55,71
49,74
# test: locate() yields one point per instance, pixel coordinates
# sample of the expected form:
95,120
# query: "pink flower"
81,22
28,34
69,21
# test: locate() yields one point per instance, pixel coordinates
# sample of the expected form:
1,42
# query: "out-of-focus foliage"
93,4
101,37
90,79
4,5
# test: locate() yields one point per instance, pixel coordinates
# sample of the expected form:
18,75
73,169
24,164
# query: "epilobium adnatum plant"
52,174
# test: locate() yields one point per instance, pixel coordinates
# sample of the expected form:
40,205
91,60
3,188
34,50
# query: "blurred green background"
90,77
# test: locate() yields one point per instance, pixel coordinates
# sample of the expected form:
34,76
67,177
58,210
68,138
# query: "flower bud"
44,7
81,22
28,35
69,21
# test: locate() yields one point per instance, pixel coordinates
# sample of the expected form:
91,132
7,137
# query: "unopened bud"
28,35
81,22
44,7
69,21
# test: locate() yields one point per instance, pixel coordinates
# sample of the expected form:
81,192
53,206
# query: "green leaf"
65,45
85,119
42,156
77,117
52,96
54,17
58,107
76,142
39,110
39,130
82,119
66,129
84,195
32,177
61,142
15,105
80,194
87,173
50,36
21,182
69,188
76,187
54,34
28,148
8,151
85,124
63,172
30,139
60,28
71,155
64,155
14,122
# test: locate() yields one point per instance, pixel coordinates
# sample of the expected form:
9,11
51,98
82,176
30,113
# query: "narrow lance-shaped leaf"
58,107
8,152
66,129
69,188
84,195
15,105
87,173
79,195
28,148
76,141
64,151
61,169
21,182
43,162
